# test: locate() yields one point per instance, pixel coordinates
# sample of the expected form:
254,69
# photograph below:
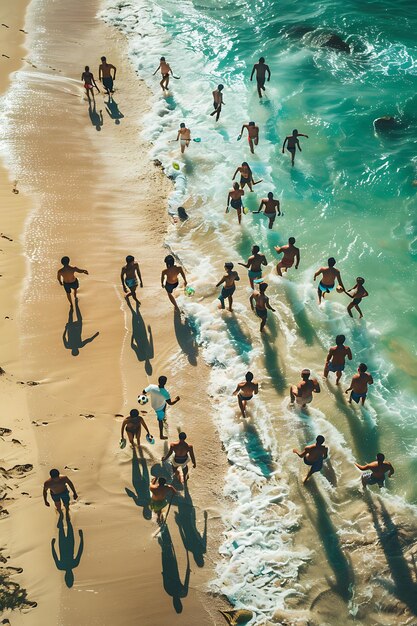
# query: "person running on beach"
246,176
291,254
160,397
335,361
66,278
292,144
359,385
128,277
229,287
254,265
302,393
182,452
329,275
261,70
245,391
166,70
253,135
374,472
185,134
272,208
104,75
89,82
359,292
217,101
169,278
234,198
159,493
57,486
259,302
313,456
133,424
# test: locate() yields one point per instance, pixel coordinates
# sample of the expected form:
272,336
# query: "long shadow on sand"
186,338
403,587
170,573
140,481
256,451
305,328
95,118
141,341
67,561
241,341
73,331
187,526
271,358
113,111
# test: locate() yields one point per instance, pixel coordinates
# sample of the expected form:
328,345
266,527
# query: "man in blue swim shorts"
313,456
57,486
229,287
160,397
129,276
359,385
329,276
254,264
104,75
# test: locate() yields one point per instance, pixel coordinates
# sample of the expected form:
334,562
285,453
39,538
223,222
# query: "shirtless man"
133,425
291,254
57,485
182,452
246,176
169,278
359,292
261,70
375,471
89,82
272,208
229,287
104,75
335,361
359,385
302,393
184,136
260,302
329,275
66,278
253,135
159,493
128,277
217,101
292,144
313,456
166,70
254,265
234,198
245,391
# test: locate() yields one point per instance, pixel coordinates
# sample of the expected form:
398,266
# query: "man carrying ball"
160,397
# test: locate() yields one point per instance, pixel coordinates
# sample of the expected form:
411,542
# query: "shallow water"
287,551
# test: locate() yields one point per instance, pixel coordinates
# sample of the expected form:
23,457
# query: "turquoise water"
350,196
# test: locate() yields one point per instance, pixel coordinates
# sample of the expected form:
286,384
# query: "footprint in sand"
30,383
74,469
17,441
5,55
5,431
40,423
2,371
23,31
3,512
5,237
5,25
17,471
16,570
89,416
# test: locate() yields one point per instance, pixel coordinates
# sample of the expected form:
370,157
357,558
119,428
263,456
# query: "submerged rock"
336,43
387,122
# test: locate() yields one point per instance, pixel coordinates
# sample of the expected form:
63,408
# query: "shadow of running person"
403,586
72,336
170,574
141,341
112,109
186,519
140,482
66,562
96,118
185,335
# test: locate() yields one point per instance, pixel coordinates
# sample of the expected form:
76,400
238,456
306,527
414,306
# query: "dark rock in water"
385,123
299,31
237,617
182,214
336,43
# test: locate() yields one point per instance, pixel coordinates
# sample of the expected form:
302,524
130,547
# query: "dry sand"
96,197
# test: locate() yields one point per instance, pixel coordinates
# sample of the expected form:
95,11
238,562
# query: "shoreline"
97,466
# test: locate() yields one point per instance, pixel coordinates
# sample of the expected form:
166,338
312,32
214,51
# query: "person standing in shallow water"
217,101
261,69
260,302
374,472
245,391
359,385
272,208
129,276
336,357
302,393
234,199
329,276
66,278
229,287
184,137
291,254
359,292
166,70
254,265
292,144
104,75
169,278
313,456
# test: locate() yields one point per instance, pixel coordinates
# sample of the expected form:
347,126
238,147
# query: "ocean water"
288,553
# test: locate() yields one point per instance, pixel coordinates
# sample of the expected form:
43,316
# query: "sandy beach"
96,197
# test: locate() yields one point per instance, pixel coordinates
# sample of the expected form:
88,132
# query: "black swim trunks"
262,313
170,287
69,286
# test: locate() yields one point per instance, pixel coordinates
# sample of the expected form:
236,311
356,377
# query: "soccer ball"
142,399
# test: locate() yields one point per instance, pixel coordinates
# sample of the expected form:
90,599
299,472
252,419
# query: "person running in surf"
128,277
253,135
182,452
329,275
184,136
217,101
165,70
359,385
261,69
272,208
234,199
359,292
259,302
245,391
291,254
169,278
104,75
292,144
302,393
313,456
229,287
89,82
254,264
336,357
374,472
246,176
